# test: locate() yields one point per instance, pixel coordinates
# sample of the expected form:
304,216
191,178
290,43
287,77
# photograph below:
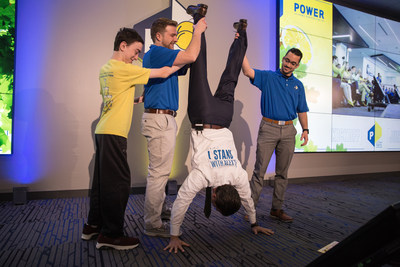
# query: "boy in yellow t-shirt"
111,179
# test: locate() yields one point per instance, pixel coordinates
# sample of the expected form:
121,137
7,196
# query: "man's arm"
304,125
190,187
242,185
247,70
336,70
192,51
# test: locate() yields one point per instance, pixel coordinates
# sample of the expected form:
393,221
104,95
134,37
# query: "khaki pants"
160,132
281,139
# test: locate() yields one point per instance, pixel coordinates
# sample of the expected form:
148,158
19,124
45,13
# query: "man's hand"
200,26
304,136
258,229
175,243
304,125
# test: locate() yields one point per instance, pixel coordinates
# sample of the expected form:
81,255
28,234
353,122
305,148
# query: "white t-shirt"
214,163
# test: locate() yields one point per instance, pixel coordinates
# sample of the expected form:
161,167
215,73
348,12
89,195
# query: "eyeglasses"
294,64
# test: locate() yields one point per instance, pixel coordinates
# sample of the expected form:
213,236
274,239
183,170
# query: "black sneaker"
89,231
199,9
119,243
241,25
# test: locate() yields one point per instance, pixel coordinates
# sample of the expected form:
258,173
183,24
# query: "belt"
207,126
277,122
161,111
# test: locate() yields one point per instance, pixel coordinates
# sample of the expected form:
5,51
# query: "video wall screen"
7,44
351,73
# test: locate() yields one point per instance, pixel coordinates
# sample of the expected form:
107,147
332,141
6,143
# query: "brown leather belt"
277,122
208,126
161,111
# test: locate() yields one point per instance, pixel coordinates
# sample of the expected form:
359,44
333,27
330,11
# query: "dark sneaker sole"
149,233
105,245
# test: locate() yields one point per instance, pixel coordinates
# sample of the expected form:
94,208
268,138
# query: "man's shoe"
199,9
89,231
163,231
119,243
280,215
241,25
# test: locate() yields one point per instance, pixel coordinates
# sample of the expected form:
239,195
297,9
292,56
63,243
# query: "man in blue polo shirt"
158,122
282,100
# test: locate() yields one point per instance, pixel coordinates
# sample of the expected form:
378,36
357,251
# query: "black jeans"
217,109
110,186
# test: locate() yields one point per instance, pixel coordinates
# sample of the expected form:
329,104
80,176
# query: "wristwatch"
306,130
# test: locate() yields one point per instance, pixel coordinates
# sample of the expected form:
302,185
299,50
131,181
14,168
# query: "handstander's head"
226,199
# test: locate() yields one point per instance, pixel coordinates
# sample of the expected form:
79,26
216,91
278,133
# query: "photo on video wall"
7,42
350,70
364,64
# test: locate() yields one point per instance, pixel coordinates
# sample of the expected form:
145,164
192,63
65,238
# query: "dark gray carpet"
47,232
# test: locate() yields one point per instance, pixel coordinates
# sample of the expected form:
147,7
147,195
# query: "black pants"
217,109
110,186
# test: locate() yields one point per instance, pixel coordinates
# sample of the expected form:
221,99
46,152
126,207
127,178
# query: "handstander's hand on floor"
176,243
258,229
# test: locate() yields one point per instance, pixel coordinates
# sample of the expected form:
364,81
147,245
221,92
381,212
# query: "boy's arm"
139,99
192,51
247,70
164,72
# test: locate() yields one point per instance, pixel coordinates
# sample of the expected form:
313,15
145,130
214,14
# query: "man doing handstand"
214,157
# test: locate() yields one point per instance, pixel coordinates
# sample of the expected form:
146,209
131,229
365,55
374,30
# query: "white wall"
61,46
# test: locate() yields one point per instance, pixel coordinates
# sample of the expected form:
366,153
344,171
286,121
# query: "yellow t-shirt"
117,86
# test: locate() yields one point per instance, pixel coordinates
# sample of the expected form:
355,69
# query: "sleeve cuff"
252,218
175,231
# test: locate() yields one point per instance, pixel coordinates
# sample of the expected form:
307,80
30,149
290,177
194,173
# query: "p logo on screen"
374,134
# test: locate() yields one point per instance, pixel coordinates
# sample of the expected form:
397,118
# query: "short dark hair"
295,51
159,25
127,35
227,199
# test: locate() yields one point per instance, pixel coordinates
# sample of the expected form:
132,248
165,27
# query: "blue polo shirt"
281,97
161,93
